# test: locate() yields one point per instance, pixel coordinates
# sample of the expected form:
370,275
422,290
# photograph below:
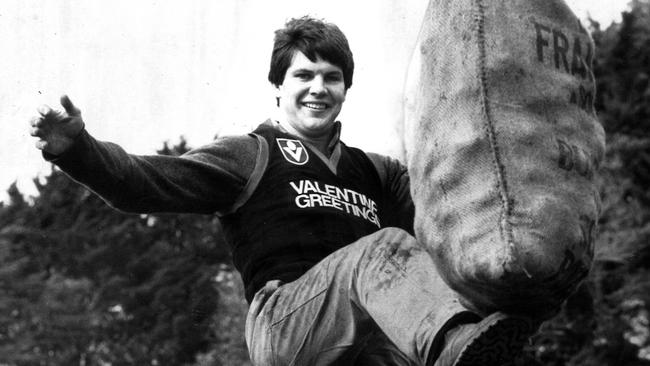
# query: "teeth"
315,105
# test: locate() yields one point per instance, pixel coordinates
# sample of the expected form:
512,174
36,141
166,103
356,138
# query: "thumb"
70,108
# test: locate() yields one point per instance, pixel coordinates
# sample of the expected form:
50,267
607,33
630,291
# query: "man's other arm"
399,210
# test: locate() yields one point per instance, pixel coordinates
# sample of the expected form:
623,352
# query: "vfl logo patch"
293,150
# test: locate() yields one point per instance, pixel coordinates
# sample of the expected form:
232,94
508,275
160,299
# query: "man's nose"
317,86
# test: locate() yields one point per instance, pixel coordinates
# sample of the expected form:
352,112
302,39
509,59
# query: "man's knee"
391,242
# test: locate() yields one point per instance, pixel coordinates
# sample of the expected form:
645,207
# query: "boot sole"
498,342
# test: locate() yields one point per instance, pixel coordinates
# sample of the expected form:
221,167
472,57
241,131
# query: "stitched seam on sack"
489,126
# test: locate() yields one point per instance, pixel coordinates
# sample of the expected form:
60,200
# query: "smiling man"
320,232
311,96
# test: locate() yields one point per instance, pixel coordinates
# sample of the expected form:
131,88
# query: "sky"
151,71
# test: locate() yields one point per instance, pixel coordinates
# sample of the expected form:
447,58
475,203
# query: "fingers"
44,110
70,108
55,129
36,126
36,132
41,144
36,121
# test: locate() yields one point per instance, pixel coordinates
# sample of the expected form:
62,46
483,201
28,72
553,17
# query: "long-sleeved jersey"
284,205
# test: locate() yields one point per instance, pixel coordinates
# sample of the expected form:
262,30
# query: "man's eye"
303,76
334,77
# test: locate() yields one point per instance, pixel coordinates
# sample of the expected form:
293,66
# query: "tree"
81,283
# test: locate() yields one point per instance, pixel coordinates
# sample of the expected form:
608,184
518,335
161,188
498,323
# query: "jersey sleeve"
207,180
399,210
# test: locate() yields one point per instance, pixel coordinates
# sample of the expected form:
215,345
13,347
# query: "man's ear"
277,95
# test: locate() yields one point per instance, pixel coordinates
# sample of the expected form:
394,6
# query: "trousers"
377,301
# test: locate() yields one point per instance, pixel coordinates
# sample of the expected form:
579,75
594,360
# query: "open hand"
54,129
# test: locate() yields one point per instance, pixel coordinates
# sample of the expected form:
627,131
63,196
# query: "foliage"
81,283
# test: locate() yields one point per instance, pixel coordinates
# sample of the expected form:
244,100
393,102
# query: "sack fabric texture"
503,146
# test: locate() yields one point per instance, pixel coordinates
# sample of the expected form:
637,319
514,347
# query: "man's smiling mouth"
315,105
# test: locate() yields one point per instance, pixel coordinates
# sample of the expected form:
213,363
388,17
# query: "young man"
320,231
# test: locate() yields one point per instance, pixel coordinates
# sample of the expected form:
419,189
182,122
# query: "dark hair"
314,38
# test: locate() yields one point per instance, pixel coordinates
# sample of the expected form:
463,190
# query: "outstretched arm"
205,180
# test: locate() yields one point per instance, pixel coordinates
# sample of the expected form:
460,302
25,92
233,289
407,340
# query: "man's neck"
321,142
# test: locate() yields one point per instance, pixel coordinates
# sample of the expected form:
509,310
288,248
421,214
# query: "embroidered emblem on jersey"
293,150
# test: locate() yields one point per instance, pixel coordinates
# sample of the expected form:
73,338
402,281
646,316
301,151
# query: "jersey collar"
333,146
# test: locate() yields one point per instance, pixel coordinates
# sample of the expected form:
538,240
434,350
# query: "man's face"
311,95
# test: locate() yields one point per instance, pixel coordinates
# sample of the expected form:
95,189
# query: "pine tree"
81,283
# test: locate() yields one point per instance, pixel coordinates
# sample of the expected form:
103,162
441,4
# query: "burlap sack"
503,144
